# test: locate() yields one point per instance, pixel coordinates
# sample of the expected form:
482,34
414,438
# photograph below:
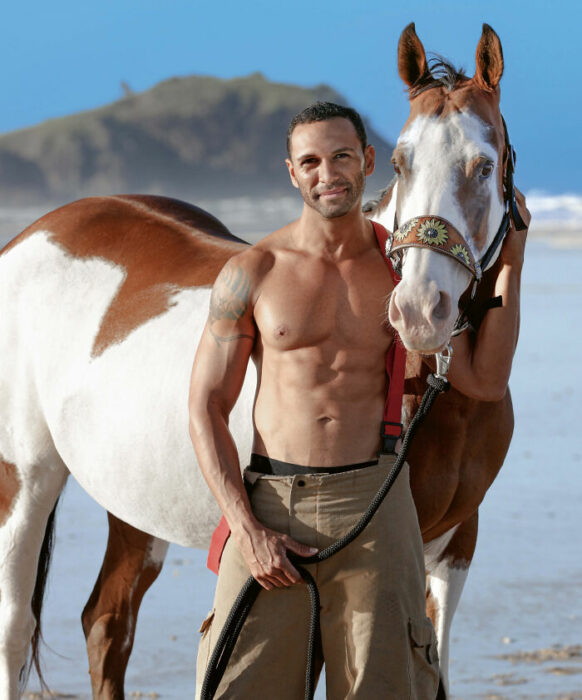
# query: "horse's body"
101,306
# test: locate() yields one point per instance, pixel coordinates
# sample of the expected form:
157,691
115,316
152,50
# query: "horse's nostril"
442,309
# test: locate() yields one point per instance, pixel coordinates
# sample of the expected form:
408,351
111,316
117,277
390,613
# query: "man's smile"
333,194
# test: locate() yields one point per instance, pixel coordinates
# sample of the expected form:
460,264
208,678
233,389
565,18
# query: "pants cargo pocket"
424,660
204,648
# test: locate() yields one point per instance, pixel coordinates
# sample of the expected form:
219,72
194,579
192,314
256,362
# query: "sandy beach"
516,635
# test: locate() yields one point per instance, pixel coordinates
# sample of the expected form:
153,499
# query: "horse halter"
438,234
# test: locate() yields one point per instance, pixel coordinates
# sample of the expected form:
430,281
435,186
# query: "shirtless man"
307,303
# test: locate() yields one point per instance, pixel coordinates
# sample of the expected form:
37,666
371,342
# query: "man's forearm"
496,339
220,466
264,550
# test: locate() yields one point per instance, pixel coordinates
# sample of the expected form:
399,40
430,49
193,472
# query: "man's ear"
370,157
291,169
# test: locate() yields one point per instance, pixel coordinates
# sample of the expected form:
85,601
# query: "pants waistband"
275,467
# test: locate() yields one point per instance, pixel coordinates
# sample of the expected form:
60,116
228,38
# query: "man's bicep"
227,340
230,315
219,370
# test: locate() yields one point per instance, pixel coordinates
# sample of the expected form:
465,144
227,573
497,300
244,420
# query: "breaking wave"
563,211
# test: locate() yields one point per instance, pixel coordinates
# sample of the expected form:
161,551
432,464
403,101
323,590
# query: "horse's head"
448,196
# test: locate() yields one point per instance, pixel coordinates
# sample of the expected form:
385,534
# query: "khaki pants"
376,641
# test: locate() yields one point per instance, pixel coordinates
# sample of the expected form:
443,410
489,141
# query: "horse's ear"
411,56
488,59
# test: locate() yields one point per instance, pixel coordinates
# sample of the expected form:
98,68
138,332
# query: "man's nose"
327,171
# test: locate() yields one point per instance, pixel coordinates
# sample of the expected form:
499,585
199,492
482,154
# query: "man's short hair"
322,112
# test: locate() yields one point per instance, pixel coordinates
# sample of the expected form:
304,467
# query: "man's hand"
513,248
265,553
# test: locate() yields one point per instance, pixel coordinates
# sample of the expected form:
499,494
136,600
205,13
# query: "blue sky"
65,56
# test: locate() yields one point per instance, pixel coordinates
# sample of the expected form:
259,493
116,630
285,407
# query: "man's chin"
333,211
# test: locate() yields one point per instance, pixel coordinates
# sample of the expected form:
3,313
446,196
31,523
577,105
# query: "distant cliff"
186,137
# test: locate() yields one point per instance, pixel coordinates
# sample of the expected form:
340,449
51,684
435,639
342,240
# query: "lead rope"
437,384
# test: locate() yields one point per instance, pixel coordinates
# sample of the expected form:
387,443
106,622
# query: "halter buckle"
443,362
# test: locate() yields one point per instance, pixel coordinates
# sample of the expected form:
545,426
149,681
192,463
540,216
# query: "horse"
101,305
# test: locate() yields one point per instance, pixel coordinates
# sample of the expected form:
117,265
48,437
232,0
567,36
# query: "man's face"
328,166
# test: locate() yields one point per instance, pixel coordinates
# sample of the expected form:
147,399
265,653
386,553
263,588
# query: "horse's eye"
486,170
395,166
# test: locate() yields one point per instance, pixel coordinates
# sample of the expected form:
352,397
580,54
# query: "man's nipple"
281,331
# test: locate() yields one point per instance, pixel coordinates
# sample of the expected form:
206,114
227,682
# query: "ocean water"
523,590
553,215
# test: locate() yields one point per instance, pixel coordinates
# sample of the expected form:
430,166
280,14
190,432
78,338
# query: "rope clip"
443,362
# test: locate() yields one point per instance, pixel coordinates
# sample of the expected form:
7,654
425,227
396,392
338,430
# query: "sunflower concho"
438,234
432,232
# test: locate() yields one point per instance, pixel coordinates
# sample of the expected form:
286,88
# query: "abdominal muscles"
315,410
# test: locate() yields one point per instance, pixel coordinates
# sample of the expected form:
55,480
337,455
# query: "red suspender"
395,368
391,422
217,543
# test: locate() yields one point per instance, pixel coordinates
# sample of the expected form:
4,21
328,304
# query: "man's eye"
341,155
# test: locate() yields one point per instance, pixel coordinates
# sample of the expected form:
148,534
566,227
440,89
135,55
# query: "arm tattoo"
229,301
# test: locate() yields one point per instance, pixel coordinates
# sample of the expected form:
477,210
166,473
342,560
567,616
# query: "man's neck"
338,238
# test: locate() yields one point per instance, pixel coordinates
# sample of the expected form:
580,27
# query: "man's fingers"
519,196
302,549
264,582
291,574
521,205
282,580
276,570
285,574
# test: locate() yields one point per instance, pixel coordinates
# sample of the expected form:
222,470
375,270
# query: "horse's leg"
131,564
447,561
27,503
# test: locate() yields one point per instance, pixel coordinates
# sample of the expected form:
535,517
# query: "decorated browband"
437,234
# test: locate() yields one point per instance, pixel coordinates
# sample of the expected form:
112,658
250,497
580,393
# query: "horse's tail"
44,561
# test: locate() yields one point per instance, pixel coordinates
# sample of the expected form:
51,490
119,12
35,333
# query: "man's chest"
312,304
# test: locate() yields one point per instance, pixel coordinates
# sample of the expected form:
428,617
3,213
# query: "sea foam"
563,211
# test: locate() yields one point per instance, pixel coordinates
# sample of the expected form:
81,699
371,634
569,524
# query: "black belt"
275,467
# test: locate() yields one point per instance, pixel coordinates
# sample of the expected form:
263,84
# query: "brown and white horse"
101,305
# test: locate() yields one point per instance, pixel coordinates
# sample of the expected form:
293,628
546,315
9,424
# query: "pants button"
300,482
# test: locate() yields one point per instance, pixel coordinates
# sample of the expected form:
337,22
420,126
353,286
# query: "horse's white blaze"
445,583
119,420
425,305
437,148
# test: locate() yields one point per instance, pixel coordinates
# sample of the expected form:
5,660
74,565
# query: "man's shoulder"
250,267
259,260
255,261
278,240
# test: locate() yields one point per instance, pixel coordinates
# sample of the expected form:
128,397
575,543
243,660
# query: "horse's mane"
440,73
372,205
